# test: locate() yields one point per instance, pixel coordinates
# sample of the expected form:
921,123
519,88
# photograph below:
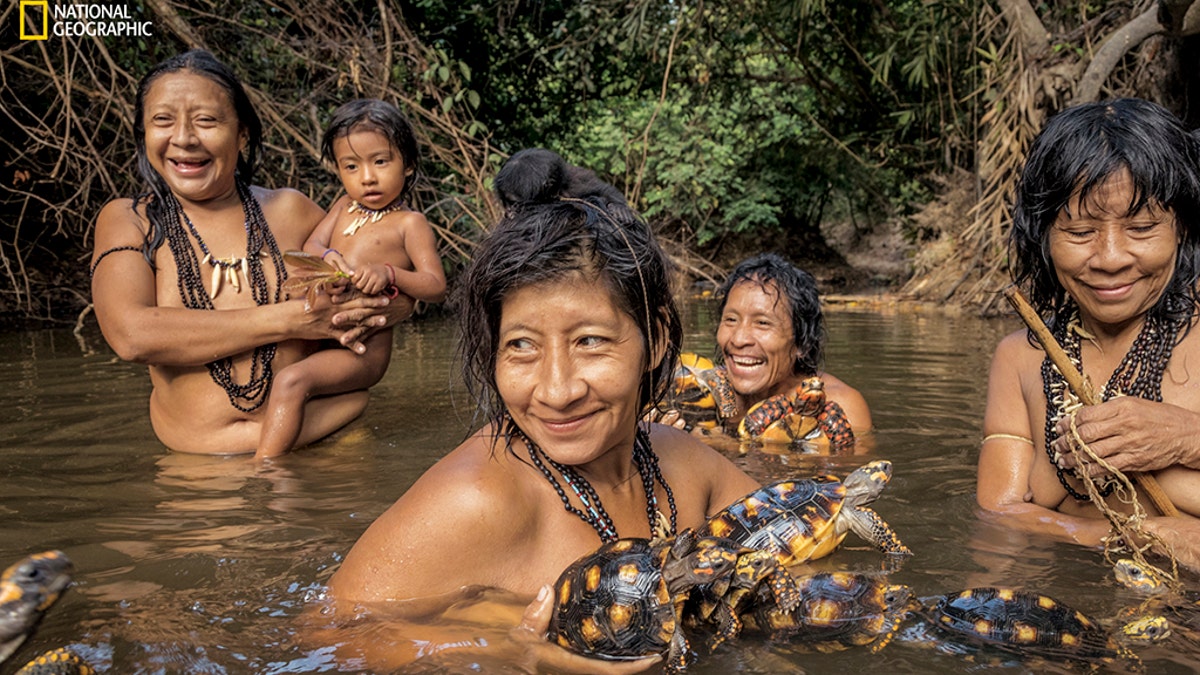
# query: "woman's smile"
569,368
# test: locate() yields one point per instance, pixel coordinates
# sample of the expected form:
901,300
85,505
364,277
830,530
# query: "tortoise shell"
27,589
803,415
624,600
838,610
802,520
1023,621
700,392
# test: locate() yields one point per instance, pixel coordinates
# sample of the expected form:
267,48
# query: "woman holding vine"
204,312
1106,243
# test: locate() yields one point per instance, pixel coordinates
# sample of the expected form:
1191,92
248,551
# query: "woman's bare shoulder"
121,223
470,480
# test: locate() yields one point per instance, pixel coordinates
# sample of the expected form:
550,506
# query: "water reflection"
204,565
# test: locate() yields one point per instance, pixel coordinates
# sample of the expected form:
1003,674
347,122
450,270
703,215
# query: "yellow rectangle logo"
27,19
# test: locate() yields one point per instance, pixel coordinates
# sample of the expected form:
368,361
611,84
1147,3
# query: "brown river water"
202,565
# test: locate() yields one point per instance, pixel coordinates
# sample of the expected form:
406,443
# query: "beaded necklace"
1140,373
225,269
647,467
251,395
368,215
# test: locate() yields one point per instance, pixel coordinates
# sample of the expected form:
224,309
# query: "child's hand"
334,258
372,279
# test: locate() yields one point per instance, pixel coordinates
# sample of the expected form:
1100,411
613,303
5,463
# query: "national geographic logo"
40,19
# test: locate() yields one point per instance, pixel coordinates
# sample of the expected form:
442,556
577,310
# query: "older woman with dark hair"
1105,239
568,334
205,312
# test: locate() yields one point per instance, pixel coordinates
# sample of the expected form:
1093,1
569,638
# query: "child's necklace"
367,215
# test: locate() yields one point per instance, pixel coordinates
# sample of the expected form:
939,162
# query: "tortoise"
1030,625
802,520
723,600
839,610
27,589
61,661
701,393
625,599
1144,579
797,416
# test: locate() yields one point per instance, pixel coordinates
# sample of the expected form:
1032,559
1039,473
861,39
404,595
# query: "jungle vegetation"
812,127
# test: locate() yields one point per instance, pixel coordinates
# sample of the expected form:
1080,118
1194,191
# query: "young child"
370,234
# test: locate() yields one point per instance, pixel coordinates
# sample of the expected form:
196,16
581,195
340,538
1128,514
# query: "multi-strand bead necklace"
1140,373
593,512
260,243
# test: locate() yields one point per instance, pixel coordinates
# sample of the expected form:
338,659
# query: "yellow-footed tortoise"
802,520
700,392
1028,625
27,589
625,599
723,601
803,415
838,610
61,661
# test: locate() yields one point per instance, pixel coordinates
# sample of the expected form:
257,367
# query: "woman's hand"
671,418
1133,434
358,318
1181,534
541,654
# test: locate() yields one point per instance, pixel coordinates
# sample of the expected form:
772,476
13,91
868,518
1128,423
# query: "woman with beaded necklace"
568,335
1106,243
204,311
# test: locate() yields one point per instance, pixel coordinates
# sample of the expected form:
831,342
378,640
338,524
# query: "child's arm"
426,281
318,241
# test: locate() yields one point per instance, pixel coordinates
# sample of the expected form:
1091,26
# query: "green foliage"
720,119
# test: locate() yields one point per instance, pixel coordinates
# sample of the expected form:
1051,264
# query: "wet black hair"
368,114
541,175
551,238
203,63
1076,152
799,290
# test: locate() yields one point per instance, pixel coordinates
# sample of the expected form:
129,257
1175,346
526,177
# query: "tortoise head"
1147,629
865,483
37,579
27,589
810,397
1140,577
710,559
899,597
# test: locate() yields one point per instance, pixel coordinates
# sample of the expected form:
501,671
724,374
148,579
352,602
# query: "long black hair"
796,288
1077,151
160,202
552,238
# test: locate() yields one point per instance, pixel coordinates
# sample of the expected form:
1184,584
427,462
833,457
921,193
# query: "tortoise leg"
677,653
867,524
61,661
836,427
728,625
893,624
783,587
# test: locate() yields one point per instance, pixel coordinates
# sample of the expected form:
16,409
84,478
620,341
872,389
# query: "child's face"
1114,263
371,168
